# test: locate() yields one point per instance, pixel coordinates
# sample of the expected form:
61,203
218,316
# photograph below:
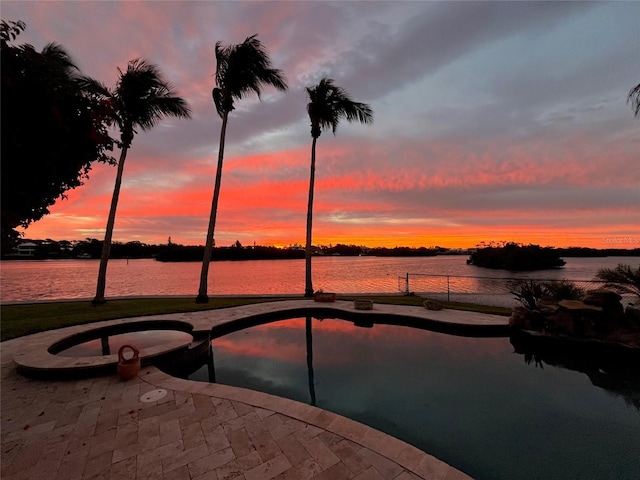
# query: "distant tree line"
595,252
172,252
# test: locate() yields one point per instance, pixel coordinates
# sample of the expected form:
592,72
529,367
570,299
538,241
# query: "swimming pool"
471,402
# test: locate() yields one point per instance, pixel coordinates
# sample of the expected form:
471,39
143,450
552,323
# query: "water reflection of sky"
140,339
469,401
23,280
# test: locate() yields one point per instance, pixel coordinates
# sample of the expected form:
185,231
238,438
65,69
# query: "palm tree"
241,70
623,279
140,99
634,98
328,104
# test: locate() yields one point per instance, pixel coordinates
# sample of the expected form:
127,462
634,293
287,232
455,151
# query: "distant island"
91,248
516,257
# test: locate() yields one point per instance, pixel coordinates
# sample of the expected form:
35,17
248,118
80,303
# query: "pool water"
471,402
110,344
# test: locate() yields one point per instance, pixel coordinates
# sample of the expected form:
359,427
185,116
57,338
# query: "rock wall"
598,314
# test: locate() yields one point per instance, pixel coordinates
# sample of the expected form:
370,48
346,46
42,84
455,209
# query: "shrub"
563,290
622,279
528,292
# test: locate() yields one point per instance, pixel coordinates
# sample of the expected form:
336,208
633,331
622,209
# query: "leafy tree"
634,98
328,104
241,70
53,129
140,99
623,279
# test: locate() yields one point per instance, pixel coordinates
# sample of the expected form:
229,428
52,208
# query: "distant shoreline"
194,254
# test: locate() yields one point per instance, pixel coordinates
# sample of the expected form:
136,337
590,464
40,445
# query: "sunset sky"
492,121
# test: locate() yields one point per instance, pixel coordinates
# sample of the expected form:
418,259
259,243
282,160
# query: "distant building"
26,249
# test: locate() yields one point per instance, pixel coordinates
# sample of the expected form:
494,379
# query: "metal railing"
494,291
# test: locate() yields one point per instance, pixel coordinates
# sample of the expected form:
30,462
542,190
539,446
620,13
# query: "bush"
563,290
528,292
623,279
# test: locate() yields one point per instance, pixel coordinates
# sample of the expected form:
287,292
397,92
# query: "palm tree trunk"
106,246
308,288
208,248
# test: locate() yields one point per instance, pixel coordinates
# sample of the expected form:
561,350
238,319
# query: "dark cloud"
442,33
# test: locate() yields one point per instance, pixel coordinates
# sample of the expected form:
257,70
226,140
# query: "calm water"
471,402
23,280
110,344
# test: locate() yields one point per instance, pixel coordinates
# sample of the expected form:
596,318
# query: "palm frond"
56,52
143,97
161,107
354,111
328,104
634,99
243,70
94,87
622,279
9,30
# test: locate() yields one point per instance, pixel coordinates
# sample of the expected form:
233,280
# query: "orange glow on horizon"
283,235
264,198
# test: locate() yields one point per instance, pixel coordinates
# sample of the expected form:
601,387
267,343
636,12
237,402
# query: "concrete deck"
100,428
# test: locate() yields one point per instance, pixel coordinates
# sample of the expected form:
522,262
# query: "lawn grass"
25,319
417,300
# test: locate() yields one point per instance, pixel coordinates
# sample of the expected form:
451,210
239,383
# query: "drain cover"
153,395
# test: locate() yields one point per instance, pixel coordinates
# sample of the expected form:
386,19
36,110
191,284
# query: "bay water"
39,280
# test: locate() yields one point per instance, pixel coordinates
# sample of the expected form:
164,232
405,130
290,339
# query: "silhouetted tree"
328,104
623,279
634,98
516,257
52,129
241,70
141,98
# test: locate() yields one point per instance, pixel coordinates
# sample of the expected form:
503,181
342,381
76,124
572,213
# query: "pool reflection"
109,344
472,402
309,342
618,372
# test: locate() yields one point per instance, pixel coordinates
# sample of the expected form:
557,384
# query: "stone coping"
35,357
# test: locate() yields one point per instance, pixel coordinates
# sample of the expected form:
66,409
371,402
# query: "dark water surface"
110,344
472,402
